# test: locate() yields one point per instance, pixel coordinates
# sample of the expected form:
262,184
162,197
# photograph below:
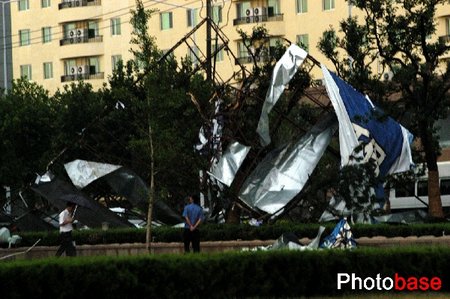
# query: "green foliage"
226,275
27,125
228,232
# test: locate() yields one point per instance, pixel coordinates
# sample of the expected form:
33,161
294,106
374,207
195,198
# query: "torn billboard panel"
283,72
284,172
90,213
124,182
83,172
228,165
361,122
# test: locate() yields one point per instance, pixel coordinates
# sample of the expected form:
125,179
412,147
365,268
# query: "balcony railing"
80,40
258,19
78,3
68,78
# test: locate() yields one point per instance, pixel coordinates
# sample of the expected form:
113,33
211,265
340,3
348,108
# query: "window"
48,70
115,26
115,60
166,20
25,71
45,3
94,65
67,28
46,35
24,5
217,14
302,6
303,41
274,7
442,126
445,187
241,8
242,50
68,65
422,188
328,4
24,37
193,54
93,29
219,55
405,190
191,15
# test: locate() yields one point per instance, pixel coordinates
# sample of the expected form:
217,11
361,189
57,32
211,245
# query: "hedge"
225,232
225,275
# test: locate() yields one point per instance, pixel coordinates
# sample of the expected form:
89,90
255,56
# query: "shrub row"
233,232
226,275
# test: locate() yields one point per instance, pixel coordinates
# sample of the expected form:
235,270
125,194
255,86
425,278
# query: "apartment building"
55,42
5,46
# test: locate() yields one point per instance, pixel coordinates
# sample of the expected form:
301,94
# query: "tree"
397,34
27,127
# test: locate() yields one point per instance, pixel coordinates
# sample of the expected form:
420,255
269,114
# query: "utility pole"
208,41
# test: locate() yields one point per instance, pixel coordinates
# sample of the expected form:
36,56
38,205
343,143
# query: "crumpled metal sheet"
92,216
284,172
82,172
228,165
283,72
124,182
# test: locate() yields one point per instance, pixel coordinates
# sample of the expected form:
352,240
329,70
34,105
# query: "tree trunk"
434,195
148,237
234,214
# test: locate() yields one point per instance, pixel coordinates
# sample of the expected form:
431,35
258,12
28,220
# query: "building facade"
5,46
55,42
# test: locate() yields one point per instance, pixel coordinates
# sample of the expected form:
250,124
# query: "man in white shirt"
65,231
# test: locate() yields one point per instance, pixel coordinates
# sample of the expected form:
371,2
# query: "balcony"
258,19
80,40
78,3
85,76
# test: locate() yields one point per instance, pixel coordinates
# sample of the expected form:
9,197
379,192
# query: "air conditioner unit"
258,11
80,32
83,69
72,33
387,76
73,70
249,12
249,15
257,14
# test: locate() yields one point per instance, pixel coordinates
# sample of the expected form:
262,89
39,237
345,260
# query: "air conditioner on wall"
82,69
80,32
258,11
73,70
257,14
249,15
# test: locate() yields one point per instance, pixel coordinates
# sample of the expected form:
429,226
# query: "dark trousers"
66,245
191,237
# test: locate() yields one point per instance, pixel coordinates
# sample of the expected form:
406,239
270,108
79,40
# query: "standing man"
193,216
65,231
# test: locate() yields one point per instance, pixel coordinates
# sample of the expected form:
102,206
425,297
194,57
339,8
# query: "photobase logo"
397,283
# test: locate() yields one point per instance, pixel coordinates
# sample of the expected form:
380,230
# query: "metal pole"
5,81
208,40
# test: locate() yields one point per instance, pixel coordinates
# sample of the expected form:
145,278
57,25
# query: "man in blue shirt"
193,216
